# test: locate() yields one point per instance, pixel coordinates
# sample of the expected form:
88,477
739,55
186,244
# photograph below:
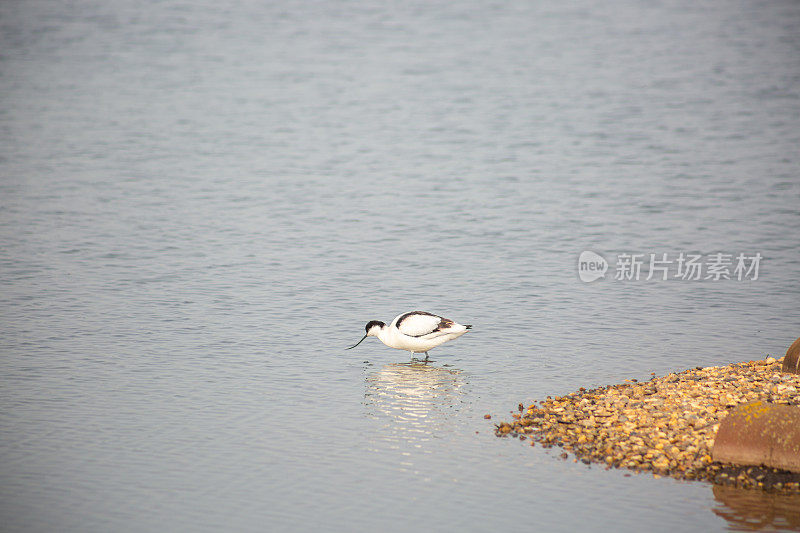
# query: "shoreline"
665,426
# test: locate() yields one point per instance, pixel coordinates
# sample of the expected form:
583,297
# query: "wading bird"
416,332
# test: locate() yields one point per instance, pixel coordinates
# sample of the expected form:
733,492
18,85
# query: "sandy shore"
665,426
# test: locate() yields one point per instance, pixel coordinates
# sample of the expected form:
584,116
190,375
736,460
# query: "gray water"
202,204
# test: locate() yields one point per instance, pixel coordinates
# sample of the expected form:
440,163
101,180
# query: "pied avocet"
416,332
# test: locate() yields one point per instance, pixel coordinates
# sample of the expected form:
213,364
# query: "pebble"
666,425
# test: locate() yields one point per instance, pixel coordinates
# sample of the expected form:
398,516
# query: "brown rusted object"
760,433
791,363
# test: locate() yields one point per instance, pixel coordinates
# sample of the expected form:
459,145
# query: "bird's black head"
372,323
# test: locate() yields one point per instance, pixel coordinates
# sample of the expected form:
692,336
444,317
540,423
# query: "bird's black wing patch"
403,317
443,323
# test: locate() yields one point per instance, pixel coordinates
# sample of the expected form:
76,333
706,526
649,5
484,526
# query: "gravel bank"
665,426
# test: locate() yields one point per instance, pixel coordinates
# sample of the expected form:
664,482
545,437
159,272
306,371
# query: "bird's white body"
416,332
419,333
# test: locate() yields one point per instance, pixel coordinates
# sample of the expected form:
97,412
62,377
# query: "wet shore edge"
665,426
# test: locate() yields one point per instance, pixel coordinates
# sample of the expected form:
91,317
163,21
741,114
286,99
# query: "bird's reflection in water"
415,399
755,510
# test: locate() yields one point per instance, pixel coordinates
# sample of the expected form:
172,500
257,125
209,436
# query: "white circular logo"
591,266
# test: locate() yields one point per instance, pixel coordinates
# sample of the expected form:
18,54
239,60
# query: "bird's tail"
468,326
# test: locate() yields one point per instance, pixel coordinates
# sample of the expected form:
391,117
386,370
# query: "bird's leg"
426,356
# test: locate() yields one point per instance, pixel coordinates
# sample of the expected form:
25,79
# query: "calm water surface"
202,204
